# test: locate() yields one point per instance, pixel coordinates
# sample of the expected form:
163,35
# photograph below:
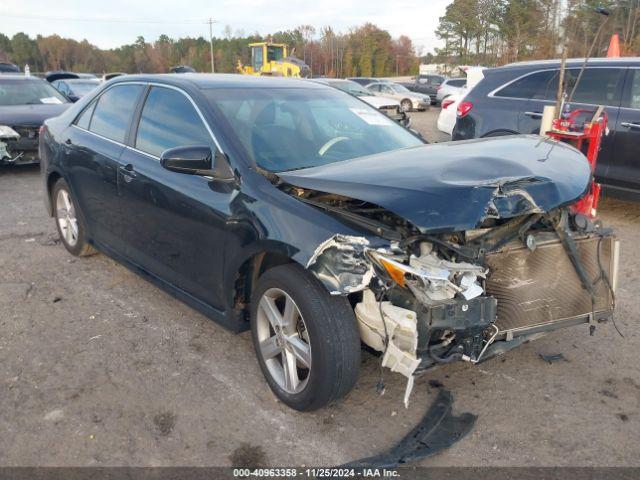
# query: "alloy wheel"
284,340
66,217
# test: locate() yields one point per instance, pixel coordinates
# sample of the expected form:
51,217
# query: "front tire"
71,229
306,340
406,105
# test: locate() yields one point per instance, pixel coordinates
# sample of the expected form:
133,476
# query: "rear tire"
323,334
71,228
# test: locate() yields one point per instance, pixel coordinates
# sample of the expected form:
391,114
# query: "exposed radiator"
541,286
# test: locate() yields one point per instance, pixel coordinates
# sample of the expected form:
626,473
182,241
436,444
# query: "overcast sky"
126,19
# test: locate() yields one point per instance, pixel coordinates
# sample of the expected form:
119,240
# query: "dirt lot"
98,367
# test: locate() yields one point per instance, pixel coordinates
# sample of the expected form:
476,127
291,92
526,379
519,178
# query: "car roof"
205,81
573,62
329,80
81,80
19,77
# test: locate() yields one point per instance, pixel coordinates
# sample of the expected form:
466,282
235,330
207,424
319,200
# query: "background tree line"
366,50
495,32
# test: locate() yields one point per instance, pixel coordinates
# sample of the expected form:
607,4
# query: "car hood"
456,186
27,115
379,101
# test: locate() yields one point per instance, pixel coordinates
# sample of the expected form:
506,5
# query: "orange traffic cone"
614,46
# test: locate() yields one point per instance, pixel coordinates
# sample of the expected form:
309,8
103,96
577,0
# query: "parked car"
387,105
108,76
364,81
182,69
510,100
408,100
426,84
74,89
297,211
447,116
6,67
25,102
450,86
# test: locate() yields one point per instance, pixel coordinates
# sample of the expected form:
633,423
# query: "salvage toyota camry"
300,212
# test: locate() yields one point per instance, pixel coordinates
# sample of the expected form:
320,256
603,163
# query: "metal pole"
213,66
560,93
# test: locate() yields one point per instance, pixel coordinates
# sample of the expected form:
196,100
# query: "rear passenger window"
634,99
169,120
539,85
113,112
457,83
85,118
598,86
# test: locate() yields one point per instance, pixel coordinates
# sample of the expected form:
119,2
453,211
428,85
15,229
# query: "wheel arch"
242,277
51,180
407,99
499,132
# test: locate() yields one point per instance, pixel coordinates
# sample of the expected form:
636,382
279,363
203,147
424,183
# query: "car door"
176,224
624,165
519,103
92,149
599,86
387,91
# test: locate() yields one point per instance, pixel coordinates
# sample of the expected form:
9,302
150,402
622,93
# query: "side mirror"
197,160
192,160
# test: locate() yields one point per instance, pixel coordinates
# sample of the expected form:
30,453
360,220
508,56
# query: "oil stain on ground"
248,456
164,423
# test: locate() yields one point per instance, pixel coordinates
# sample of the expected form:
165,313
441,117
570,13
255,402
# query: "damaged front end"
18,145
466,252
424,300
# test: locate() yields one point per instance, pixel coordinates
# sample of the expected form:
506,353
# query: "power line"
104,19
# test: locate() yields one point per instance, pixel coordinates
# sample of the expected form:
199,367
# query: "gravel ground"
99,367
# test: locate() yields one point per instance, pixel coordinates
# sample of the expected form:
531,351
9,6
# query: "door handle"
630,125
533,114
128,173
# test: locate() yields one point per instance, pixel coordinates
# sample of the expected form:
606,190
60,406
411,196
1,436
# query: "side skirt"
230,319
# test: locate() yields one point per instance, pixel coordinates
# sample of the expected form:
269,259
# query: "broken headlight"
431,278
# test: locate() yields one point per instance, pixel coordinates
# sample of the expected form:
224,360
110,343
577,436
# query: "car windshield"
293,128
82,88
19,91
351,87
399,88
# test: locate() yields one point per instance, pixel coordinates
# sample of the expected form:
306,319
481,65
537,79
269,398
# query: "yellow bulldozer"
271,59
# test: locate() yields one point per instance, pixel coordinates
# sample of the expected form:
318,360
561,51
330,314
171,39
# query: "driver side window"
169,120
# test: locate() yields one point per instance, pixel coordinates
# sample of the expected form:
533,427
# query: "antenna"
602,11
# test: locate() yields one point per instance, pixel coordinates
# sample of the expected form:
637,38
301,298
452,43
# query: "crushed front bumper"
530,289
21,150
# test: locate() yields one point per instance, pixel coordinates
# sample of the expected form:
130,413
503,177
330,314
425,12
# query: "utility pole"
213,64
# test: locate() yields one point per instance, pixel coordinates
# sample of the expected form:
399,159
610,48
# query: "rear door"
523,99
624,164
598,86
92,149
176,224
